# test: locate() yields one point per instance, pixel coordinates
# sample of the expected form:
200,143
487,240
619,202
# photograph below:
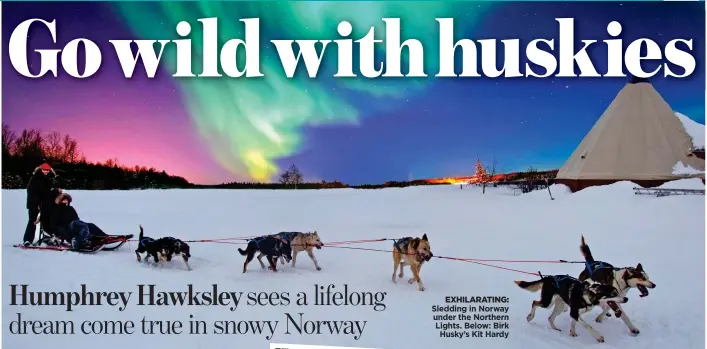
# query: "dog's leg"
396,263
547,295
402,267
412,270
559,307
139,258
574,314
628,322
186,262
248,258
314,259
294,257
415,277
273,263
416,274
260,259
604,311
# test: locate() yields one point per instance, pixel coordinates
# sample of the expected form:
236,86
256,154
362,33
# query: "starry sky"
356,131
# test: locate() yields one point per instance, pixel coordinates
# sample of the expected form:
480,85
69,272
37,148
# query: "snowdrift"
665,234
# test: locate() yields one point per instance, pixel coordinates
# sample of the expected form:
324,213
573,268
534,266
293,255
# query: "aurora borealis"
250,123
223,129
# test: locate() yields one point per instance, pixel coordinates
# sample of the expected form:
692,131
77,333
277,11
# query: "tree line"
22,152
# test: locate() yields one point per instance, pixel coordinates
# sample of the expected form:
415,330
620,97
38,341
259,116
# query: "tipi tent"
638,138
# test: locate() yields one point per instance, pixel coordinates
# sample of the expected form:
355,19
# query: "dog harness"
594,266
145,240
558,278
257,241
288,235
402,243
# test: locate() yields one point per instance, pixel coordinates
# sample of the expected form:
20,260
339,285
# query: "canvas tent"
638,138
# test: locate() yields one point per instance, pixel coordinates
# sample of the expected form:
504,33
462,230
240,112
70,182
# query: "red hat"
45,167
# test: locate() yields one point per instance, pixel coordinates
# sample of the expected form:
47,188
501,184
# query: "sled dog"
271,246
579,296
299,242
162,249
623,279
413,252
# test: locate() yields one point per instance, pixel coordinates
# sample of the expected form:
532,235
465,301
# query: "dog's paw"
421,288
599,319
573,333
530,317
600,339
411,280
635,331
319,268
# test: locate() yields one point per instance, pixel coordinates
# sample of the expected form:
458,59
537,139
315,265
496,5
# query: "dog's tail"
532,286
139,237
586,252
243,253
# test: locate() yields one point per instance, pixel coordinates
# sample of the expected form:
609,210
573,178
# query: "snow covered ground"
665,234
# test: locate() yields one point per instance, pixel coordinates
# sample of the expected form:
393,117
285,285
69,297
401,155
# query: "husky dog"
270,246
623,279
579,296
413,252
300,242
162,249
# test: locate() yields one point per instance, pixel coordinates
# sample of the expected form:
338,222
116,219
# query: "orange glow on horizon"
468,179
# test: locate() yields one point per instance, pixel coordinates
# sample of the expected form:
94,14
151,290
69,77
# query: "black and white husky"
623,279
566,291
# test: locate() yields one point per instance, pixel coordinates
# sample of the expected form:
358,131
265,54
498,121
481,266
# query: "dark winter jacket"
61,216
39,189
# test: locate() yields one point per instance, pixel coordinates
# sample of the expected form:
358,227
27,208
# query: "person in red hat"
38,192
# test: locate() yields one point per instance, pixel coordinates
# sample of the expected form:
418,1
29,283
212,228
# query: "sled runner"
58,248
98,243
104,241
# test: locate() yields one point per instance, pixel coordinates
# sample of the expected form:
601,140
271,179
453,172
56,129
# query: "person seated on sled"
66,225
61,217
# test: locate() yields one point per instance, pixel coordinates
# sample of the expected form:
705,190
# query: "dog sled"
97,243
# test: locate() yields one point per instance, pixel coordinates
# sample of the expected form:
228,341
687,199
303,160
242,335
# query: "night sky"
356,131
